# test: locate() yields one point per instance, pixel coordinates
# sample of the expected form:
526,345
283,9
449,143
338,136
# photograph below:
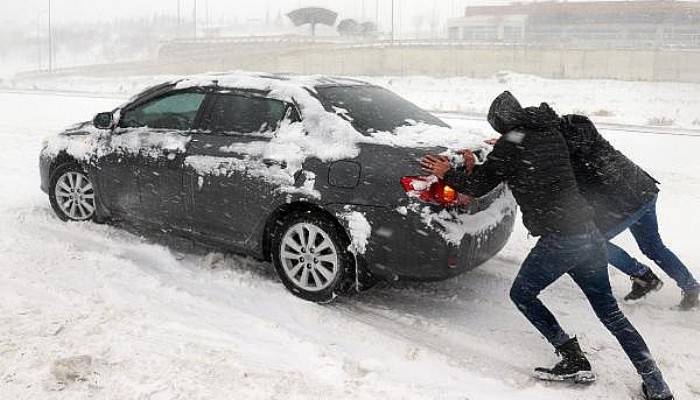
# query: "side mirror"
103,120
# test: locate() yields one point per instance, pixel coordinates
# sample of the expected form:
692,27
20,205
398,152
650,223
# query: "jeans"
584,258
645,228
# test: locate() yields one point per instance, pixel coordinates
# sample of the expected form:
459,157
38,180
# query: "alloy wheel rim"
309,257
75,196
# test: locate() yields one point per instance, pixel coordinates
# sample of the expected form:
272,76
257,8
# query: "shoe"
690,300
647,396
643,285
574,366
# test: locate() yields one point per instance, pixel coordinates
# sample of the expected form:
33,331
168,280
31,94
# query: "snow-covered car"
318,175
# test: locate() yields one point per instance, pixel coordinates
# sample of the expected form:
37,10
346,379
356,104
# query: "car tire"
72,193
311,257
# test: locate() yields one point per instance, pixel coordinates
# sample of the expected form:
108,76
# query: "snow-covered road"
96,311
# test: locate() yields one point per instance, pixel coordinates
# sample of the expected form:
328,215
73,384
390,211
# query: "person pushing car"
623,197
532,157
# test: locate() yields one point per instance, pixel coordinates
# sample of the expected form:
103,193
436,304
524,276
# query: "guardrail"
692,43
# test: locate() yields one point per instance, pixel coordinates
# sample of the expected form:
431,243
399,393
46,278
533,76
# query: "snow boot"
643,285
648,396
574,366
690,300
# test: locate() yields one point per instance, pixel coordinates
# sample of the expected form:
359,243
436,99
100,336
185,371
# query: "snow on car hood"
79,141
82,142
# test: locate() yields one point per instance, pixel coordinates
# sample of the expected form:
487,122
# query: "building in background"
603,24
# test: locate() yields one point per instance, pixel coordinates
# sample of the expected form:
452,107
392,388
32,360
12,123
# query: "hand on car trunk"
436,165
469,160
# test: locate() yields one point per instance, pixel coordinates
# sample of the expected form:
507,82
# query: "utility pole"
434,22
38,39
194,17
376,13
206,20
392,21
179,19
50,42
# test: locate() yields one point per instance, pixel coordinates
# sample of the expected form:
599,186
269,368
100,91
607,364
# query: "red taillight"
430,189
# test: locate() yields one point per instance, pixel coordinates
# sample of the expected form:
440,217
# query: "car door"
155,135
226,168
115,175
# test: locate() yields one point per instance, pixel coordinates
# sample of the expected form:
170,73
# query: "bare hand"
469,160
436,165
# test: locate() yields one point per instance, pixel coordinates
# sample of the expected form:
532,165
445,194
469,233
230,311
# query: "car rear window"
373,109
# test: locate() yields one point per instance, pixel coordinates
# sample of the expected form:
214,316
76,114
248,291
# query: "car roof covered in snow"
265,81
282,83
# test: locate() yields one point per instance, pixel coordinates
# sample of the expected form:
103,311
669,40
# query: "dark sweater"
534,160
612,184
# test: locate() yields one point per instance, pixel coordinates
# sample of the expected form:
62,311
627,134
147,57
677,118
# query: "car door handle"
271,163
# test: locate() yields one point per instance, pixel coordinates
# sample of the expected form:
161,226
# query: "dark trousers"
584,258
644,226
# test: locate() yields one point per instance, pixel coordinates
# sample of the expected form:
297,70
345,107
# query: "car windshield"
373,109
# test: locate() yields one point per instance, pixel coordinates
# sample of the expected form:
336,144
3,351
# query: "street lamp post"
178,15
207,21
194,16
50,42
376,12
38,40
392,20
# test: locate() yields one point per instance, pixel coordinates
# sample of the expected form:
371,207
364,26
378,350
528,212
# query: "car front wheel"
72,194
311,257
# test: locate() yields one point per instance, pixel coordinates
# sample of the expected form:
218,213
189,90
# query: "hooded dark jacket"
612,184
533,158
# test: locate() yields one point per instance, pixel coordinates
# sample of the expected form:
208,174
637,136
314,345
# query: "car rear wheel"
72,193
311,257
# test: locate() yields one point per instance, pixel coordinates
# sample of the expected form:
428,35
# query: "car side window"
233,113
175,111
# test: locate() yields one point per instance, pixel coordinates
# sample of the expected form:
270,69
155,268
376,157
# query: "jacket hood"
541,117
506,114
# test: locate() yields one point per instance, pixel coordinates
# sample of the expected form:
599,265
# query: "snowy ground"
92,311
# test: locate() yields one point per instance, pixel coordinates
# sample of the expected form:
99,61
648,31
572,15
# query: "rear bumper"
419,245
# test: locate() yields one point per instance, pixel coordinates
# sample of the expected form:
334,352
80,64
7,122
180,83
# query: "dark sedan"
231,160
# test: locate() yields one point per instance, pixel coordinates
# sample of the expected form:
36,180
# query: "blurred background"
630,40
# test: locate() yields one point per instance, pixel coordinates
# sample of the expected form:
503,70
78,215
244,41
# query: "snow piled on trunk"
454,225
